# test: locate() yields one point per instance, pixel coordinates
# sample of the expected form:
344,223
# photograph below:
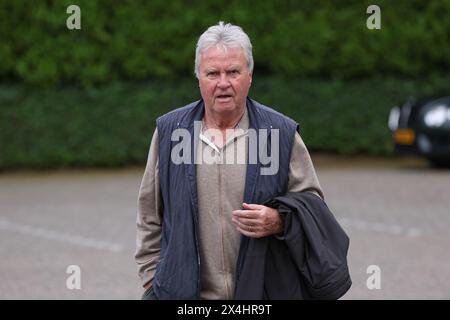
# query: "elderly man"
212,224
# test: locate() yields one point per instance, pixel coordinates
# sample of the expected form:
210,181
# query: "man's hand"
257,221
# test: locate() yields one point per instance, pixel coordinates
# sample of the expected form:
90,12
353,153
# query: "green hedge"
138,40
112,125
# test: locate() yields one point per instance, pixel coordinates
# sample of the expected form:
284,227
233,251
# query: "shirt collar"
241,129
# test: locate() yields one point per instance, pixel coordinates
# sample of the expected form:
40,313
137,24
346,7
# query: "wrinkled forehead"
219,53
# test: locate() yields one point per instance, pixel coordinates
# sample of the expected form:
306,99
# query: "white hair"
227,35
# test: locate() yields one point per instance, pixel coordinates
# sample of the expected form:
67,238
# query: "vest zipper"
197,246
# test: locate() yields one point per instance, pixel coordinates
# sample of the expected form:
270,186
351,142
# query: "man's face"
224,79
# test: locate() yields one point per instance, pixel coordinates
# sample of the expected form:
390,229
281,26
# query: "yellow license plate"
404,136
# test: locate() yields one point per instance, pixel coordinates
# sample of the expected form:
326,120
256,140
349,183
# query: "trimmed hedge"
112,125
138,40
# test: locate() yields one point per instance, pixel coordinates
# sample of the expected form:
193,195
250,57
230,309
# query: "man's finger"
245,233
249,214
246,222
250,234
252,206
246,227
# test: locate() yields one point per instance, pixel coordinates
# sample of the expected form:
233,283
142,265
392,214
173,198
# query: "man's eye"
212,73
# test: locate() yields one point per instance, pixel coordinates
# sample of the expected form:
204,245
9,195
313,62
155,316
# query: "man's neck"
223,121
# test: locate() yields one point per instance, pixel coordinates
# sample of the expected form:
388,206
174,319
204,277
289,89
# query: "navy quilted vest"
177,275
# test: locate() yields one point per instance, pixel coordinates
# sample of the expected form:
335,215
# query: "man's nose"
223,81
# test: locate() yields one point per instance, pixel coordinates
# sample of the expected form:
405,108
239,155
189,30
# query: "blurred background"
78,108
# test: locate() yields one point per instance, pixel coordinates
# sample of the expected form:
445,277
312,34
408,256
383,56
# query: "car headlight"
394,116
437,116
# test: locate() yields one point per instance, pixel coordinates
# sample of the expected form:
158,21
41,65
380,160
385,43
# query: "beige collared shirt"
220,186
220,189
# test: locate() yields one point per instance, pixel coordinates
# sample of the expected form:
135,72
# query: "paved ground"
397,214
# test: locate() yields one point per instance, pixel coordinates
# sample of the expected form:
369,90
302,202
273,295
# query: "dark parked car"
423,127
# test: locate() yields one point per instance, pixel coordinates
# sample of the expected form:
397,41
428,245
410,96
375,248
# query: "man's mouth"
224,97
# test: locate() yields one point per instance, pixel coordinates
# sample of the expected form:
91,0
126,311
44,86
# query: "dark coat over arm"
309,263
